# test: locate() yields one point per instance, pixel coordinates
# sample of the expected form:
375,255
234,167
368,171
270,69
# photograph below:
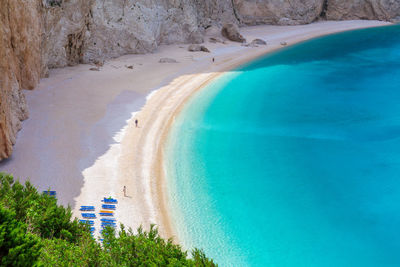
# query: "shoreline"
82,122
169,229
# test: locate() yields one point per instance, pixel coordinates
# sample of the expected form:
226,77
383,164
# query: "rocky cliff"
20,42
41,34
93,30
253,12
388,10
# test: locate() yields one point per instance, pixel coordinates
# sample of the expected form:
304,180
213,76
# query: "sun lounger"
109,207
87,208
87,221
108,224
107,220
106,214
92,229
107,211
89,215
50,193
110,200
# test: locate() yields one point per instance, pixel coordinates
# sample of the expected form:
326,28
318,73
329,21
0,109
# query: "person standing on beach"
136,122
213,59
124,191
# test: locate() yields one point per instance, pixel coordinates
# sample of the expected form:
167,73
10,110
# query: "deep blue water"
294,159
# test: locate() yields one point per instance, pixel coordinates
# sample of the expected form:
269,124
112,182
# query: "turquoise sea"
294,159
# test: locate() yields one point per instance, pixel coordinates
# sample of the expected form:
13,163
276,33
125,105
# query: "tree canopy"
35,231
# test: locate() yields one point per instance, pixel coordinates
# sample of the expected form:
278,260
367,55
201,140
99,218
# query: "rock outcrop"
259,42
66,28
198,48
231,32
255,43
41,34
20,41
216,40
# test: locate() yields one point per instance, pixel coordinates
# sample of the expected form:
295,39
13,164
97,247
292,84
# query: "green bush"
17,246
34,230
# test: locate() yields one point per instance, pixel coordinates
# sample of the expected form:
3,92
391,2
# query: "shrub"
34,230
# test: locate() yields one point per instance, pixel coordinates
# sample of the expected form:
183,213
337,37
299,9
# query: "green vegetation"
54,2
35,231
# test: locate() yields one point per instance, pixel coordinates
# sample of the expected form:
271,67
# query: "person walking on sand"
213,59
136,122
124,191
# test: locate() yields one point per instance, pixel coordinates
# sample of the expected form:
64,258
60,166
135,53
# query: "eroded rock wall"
66,29
252,12
82,31
20,41
388,10
139,26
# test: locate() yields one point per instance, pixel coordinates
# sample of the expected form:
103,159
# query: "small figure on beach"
124,191
136,122
213,59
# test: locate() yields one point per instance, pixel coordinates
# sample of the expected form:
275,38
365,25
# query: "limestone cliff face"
252,12
39,34
20,40
139,26
388,10
82,31
130,26
65,30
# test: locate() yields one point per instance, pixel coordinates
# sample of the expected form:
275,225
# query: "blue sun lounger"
111,220
108,207
50,193
90,222
92,229
108,222
89,215
87,208
110,200
103,224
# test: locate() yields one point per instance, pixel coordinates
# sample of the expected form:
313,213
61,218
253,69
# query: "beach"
81,139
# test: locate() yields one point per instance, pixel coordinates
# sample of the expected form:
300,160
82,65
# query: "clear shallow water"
294,159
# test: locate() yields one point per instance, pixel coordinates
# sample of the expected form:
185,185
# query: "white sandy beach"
81,140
